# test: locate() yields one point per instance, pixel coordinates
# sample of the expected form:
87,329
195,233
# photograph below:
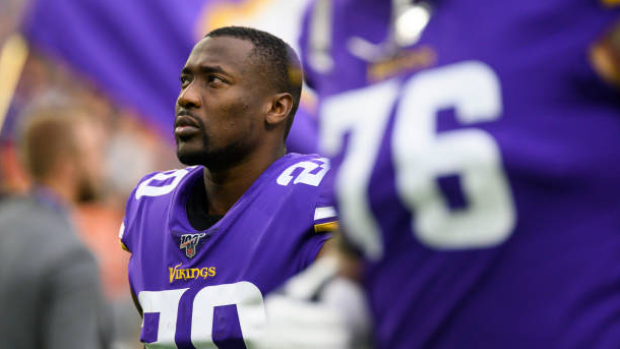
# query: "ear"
281,105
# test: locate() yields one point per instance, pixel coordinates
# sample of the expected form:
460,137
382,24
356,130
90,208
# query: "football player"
208,241
476,159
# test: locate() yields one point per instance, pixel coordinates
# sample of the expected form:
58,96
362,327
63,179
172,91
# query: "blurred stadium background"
120,59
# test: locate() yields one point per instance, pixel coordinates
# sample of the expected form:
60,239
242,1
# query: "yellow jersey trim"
124,247
324,227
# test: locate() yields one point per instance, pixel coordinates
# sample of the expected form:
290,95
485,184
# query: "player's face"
220,105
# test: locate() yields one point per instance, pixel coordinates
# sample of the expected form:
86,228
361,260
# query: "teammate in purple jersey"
208,241
476,167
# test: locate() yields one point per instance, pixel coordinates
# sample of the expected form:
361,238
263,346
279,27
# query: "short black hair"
277,59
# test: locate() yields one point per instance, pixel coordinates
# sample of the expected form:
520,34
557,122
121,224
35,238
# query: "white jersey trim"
121,231
324,212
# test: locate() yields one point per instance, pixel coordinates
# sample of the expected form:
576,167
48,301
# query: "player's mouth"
185,126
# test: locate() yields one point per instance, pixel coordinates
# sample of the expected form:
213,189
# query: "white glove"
316,309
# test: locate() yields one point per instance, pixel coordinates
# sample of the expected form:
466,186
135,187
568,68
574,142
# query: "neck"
225,186
63,191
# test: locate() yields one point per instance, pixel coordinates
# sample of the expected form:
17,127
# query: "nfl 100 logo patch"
189,242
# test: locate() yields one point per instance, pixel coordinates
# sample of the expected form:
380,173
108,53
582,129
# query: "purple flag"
132,49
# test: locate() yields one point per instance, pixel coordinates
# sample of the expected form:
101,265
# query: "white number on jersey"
147,189
421,155
306,176
245,295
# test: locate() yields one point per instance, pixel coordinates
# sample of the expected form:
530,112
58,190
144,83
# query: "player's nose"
189,98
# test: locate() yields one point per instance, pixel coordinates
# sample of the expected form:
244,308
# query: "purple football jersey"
477,171
196,288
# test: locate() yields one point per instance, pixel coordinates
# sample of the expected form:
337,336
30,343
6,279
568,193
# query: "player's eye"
184,81
214,79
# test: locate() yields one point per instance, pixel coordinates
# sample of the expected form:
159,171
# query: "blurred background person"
50,290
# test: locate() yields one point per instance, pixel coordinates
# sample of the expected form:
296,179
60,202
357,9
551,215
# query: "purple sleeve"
325,215
312,247
325,220
126,232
